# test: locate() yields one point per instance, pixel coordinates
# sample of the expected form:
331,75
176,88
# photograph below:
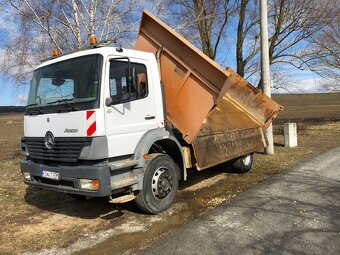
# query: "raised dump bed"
217,111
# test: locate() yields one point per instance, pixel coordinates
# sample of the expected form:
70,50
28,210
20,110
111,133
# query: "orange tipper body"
217,111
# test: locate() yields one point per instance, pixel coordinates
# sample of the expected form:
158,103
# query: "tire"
160,184
243,164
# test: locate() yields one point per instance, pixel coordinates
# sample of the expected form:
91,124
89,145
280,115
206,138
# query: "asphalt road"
295,212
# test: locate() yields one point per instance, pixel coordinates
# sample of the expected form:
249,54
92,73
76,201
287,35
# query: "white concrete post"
265,70
290,133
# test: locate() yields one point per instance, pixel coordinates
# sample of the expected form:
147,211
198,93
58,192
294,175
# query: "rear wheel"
243,164
160,184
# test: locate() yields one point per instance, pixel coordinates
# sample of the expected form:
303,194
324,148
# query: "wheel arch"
168,144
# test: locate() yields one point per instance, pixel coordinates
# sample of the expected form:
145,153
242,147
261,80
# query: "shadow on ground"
91,208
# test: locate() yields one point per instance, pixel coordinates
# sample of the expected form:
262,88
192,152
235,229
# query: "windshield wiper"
35,104
38,109
66,102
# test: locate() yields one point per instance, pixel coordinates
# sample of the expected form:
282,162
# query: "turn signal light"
89,184
55,52
93,40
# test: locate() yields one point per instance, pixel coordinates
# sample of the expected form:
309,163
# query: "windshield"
73,81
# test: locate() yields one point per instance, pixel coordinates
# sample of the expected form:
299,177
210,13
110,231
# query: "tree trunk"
240,38
77,25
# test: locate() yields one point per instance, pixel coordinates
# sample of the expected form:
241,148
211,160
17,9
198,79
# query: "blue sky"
10,94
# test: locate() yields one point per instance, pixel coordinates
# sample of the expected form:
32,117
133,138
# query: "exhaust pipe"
158,58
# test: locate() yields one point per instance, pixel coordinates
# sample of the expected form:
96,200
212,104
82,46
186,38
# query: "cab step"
122,164
122,199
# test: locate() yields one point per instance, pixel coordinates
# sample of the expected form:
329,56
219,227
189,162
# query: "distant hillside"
7,109
325,106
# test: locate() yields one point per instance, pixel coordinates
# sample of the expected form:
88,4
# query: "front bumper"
69,178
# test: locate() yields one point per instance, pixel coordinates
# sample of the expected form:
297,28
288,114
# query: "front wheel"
160,184
243,164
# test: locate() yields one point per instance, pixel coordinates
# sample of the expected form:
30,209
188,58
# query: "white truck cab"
93,117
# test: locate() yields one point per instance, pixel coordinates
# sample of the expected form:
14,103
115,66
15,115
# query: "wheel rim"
162,183
246,160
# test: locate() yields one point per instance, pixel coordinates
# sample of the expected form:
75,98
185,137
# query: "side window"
113,87
127,85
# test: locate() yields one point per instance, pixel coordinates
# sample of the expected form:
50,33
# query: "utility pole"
265,70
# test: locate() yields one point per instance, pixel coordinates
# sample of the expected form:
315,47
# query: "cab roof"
105,51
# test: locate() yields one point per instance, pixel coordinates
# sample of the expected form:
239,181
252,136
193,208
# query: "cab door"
132,112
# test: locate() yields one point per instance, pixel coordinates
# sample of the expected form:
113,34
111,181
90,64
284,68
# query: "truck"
130,123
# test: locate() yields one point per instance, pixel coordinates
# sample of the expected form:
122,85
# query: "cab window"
127,85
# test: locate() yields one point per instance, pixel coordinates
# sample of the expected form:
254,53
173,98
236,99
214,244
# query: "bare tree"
292,23
207,19
62,24
248,37
326,47
69,24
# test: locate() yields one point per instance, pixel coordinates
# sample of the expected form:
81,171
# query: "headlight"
89,184
27,176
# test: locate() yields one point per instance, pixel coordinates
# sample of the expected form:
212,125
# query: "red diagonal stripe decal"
89,114
91,129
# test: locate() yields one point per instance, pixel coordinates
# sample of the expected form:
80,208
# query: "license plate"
50,175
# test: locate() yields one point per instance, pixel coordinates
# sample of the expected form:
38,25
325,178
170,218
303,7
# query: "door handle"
149,117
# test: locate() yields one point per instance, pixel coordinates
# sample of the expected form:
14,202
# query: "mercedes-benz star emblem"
49,140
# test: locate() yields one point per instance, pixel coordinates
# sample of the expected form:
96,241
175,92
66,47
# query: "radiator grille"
64,149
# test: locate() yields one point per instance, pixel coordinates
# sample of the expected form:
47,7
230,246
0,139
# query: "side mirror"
108,101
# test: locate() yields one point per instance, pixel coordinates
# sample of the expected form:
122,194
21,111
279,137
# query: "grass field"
309,107
34,219
11,130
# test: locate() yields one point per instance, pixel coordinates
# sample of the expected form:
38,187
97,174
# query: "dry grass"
34,219
11,130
